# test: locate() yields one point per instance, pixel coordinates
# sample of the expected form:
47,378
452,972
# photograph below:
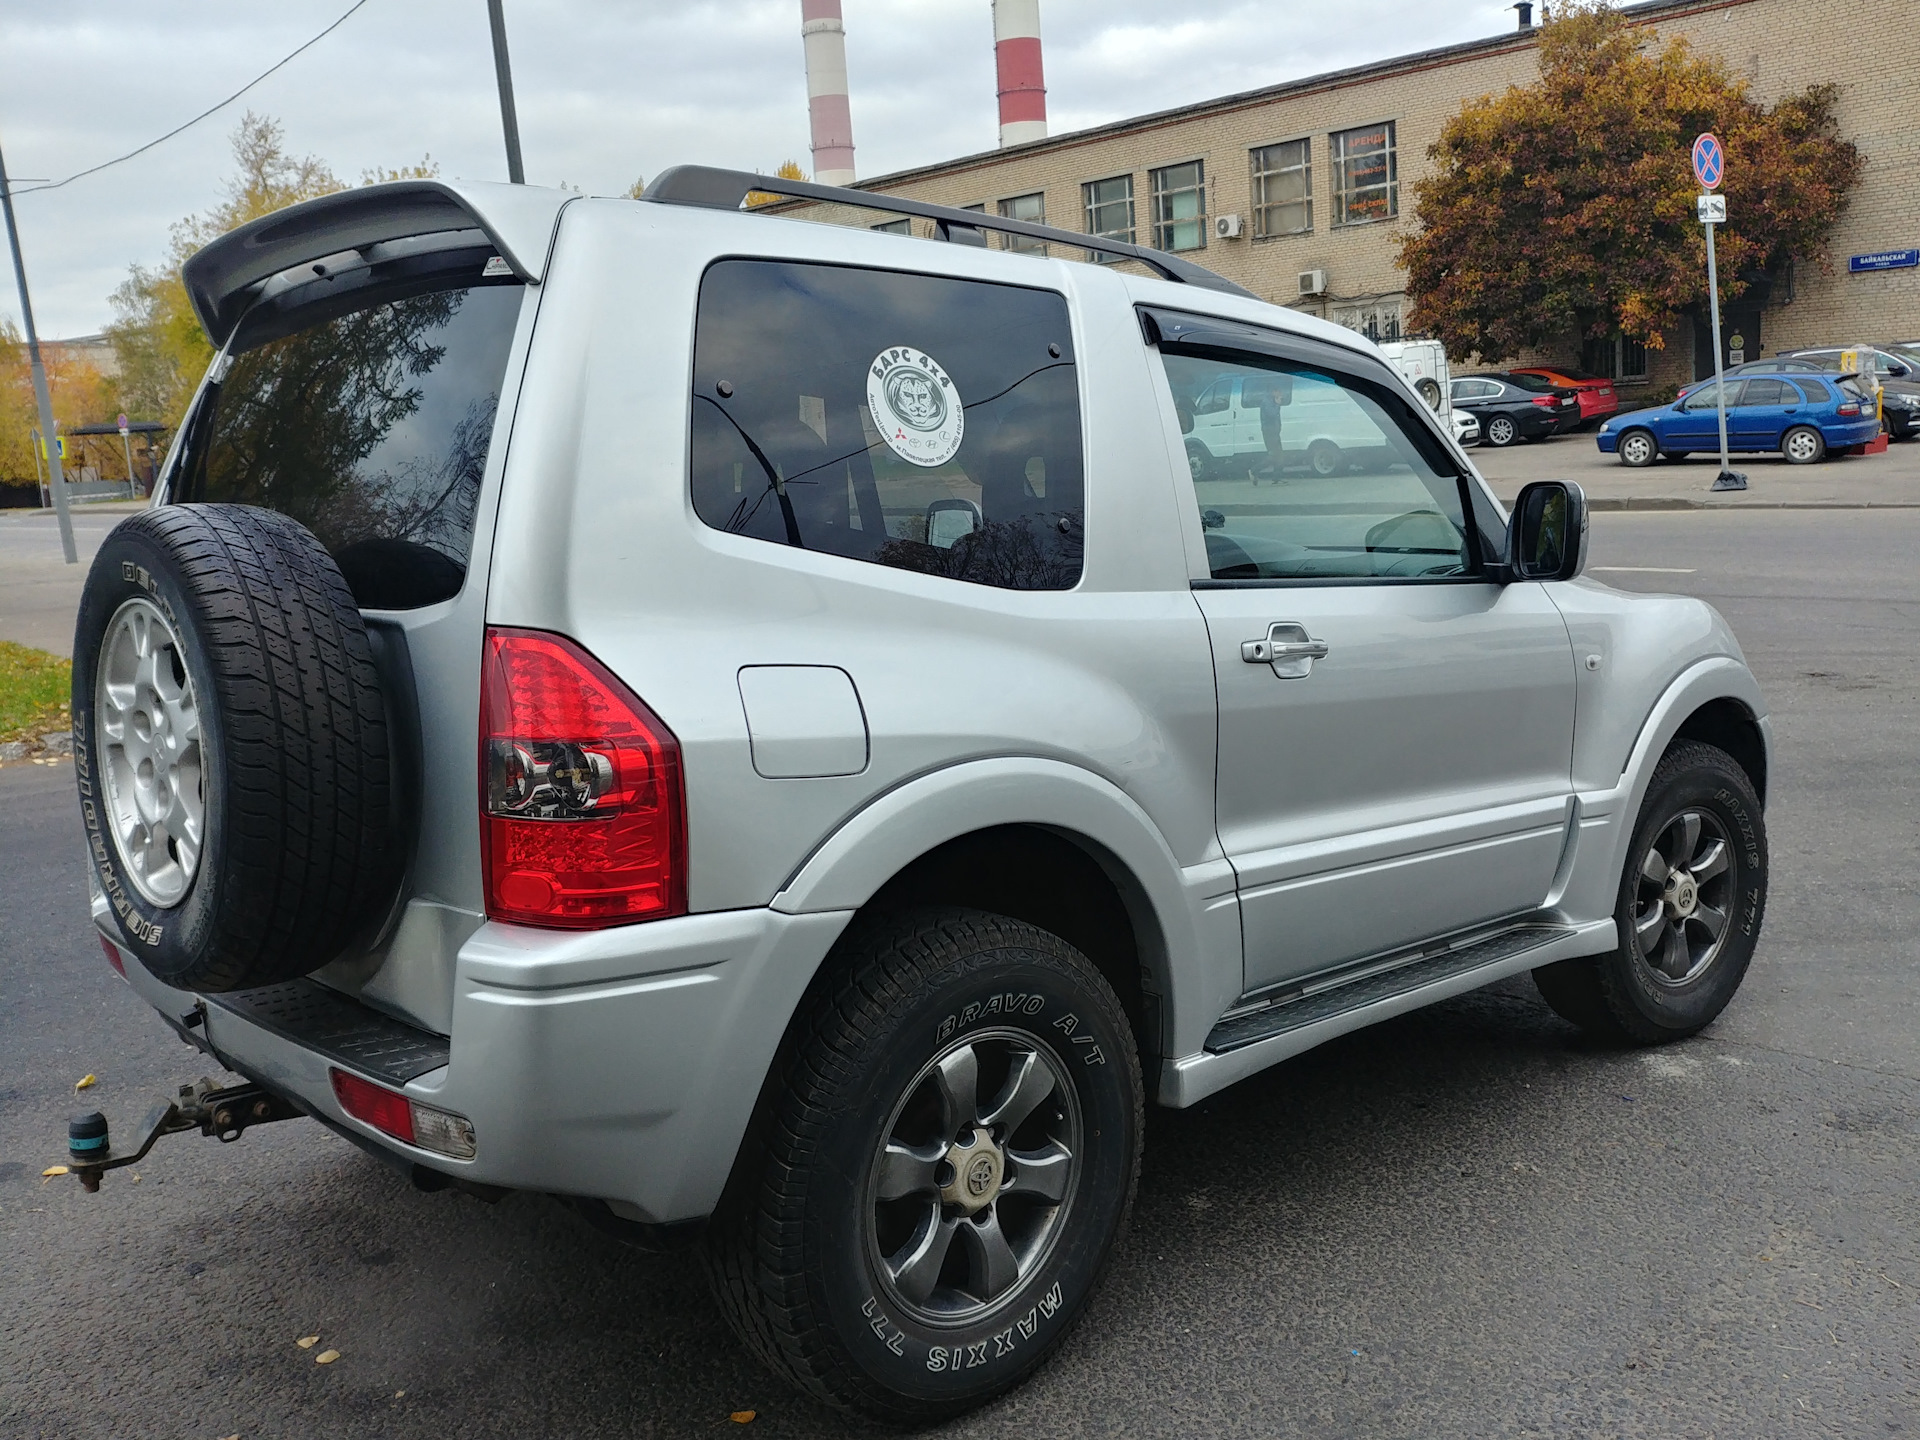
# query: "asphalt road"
1467,1222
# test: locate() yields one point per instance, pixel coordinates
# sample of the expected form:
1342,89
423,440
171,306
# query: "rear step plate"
339,1027
1278,1019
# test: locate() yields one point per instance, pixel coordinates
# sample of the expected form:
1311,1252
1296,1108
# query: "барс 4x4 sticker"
915,407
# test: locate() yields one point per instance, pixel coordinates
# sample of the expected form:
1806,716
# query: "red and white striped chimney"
1016,59
825,39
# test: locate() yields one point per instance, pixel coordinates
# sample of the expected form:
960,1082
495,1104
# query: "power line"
56,184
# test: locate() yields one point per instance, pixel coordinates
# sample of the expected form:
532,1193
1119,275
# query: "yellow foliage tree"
789,170
81,396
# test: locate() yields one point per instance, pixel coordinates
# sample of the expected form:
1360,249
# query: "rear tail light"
392,1113
1850,408
1546,400
583,814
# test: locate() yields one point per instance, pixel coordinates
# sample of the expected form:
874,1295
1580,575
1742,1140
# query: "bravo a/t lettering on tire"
947,1154
230,747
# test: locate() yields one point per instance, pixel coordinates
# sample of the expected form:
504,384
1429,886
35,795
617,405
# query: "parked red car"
1597,400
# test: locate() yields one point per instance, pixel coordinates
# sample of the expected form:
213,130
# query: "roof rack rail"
716,189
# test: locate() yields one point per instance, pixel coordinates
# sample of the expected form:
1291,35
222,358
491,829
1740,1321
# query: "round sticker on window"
914,406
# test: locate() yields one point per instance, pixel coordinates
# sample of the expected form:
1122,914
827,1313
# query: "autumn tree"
1567,206
81,396
789,170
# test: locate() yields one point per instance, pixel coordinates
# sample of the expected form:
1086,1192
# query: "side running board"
1372,984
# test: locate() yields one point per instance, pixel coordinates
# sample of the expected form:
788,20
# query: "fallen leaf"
743,1417
307,1342
326,1357
85,1082
53,1170
399,1394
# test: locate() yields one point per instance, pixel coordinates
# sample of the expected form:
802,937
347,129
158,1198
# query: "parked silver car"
758,729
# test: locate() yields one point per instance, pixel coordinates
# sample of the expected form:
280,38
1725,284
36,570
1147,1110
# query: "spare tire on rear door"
231,747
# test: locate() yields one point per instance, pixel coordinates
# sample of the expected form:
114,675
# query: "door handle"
1287,648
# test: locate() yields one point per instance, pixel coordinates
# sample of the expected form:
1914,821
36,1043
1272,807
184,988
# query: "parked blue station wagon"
1801,416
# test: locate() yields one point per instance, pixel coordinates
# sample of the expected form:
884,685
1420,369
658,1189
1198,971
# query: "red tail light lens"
583,813
1546,400
377,1106
1848,409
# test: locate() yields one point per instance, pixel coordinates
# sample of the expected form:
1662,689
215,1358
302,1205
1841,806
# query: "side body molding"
1186,917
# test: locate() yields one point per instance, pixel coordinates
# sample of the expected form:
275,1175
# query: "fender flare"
875,843
1719,677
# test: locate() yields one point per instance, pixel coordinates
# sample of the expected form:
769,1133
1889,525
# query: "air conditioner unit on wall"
1226,227
1313,282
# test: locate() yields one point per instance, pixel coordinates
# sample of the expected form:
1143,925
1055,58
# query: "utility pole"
44,397
503,72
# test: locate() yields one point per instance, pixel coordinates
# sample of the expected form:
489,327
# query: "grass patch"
33,692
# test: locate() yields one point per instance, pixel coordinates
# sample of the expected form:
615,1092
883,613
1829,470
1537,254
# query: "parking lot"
1466,1222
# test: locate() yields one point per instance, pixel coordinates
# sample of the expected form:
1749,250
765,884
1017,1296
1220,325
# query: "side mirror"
1898,372
1547,536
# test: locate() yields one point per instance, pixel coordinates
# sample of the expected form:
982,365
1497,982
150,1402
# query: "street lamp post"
56,471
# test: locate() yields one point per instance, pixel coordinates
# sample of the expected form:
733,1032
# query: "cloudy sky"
607,90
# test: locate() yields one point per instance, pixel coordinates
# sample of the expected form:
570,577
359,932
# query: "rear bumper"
619,1064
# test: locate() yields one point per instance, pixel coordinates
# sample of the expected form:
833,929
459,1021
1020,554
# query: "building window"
1283,189
894,227
1032,209
1366,175
1617,357
1377,320
1110,211
1180,207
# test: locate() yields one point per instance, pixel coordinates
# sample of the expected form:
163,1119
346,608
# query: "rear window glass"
1814,390
912,421
370,426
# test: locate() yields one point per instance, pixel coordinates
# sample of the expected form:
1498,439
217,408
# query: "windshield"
369,427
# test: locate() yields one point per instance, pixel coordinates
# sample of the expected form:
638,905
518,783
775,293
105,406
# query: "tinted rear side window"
370,427
1814,390
915,421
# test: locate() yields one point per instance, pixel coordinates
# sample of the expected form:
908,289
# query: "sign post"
126,449
1710,168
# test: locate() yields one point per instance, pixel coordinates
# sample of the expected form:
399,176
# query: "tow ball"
227,1114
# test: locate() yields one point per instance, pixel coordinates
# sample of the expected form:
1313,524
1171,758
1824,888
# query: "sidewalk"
1851,482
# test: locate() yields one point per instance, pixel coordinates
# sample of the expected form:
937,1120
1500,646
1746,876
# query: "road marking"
1641,569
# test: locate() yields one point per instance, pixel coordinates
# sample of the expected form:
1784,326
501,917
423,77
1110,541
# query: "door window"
1766,392
1707,397
915,421
1333,477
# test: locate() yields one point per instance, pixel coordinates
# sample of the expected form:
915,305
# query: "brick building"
1320,172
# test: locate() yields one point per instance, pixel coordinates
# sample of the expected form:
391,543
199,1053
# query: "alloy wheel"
147,743
1683,898
973,1178
1803,447
1501,431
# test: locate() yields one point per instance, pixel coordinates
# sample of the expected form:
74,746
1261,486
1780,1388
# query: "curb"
1681,502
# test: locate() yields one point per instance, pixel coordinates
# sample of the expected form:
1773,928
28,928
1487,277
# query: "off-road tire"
1616,997
300,842
790,1251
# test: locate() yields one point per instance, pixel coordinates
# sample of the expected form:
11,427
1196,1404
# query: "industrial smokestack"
1016,59
825,39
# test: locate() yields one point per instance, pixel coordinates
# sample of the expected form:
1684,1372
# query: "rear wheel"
1326,458
1638,447
1803,445
1689,910
1501,432
947,1156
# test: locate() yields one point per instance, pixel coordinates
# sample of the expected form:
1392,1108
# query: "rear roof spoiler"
711,189
221,278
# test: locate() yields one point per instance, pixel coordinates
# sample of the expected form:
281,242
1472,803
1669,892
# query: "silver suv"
772,732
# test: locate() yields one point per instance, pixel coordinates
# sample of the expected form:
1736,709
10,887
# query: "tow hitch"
227,1114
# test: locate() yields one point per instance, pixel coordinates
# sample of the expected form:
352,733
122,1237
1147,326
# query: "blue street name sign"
1884,260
